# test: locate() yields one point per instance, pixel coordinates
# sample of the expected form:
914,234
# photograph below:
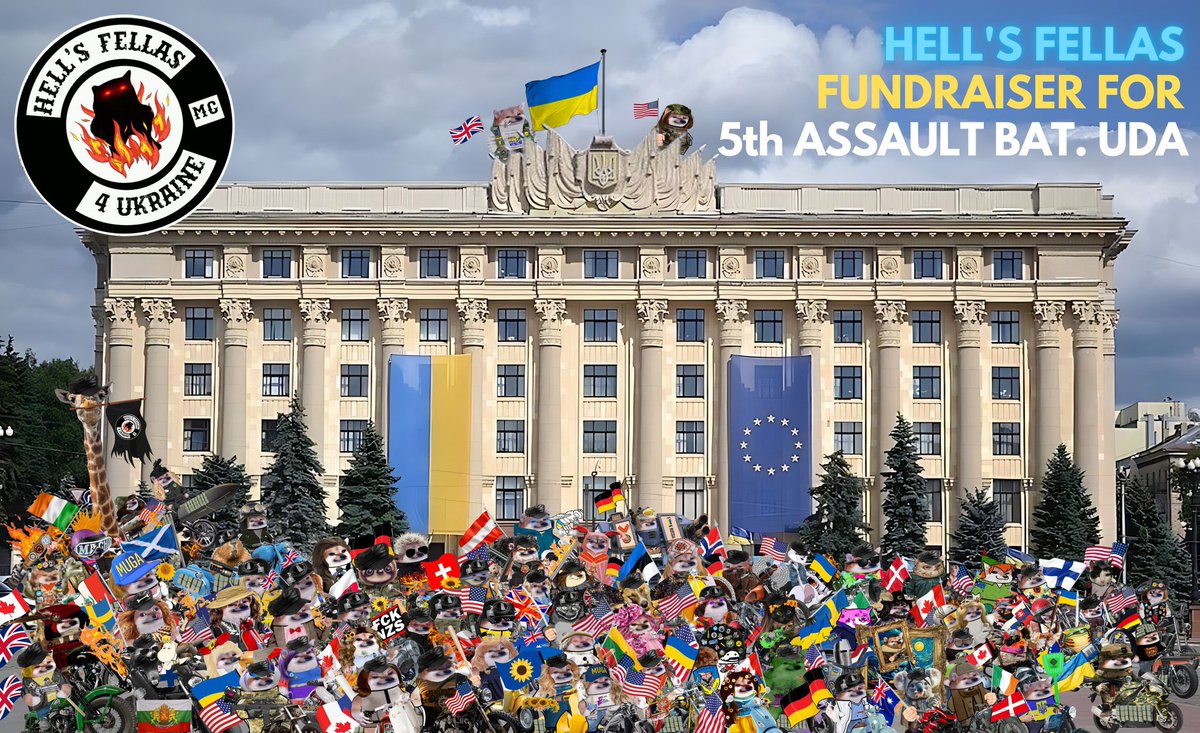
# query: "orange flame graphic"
125,152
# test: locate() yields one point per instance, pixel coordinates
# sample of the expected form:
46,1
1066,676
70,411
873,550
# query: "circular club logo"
129,427
124,125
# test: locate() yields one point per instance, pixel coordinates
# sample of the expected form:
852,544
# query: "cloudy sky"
366,91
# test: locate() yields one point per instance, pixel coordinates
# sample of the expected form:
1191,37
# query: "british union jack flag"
463,132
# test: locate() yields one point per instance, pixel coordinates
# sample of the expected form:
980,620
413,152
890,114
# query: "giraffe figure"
87,397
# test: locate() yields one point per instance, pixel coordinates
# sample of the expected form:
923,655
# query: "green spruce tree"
980,530
365,497
836,525
1155,552
292,488
217,470
1065,523
904,505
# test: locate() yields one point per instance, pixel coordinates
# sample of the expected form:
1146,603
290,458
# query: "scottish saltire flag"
554,101
770,418
429,438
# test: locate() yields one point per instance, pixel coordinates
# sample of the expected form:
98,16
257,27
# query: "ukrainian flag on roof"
554,101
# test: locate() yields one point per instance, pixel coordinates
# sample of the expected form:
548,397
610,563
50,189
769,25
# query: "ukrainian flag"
554,101
429,440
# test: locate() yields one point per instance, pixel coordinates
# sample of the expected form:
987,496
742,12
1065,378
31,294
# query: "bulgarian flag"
53,510
164,716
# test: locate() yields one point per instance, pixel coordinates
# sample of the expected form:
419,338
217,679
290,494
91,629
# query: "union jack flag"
527,609
463,132
712,718
464,695
12,640
814,658
290,557
962,582
773,549
270,579
683,598
10,692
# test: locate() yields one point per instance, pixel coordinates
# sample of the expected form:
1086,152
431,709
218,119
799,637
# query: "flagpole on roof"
603,96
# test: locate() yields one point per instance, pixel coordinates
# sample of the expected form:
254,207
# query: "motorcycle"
101,709
1141,702
1176,668
483,721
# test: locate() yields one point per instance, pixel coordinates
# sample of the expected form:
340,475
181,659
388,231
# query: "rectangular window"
1006,327
768,264
927,327
933,499
435,325
267,434
927,383
690,496
689,380
510,324
1006,492
197,380
600,263
356,324
927,264
847,327
276,380
847,383
433,263
277,324
277,263
592,487
510,436
198,324
929,438
848,264
848,438
510,380
689,325
1008,264
356,263
599,436
350,435
768,327
689,436
355,380
599,380
1006,438
510,498
1006,383
600,325
691,263
198,263
512,263
196,434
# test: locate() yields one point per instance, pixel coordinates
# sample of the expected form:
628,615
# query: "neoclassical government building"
601,292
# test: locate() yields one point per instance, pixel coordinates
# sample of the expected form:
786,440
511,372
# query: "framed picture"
670,527
625,536
890,642
928,646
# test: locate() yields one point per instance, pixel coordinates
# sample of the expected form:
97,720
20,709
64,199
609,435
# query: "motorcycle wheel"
114,715
1010,725
1172,721
526,719
1106,727
1182,680
503,723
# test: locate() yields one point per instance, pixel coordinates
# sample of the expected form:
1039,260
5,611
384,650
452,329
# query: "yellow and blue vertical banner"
429,439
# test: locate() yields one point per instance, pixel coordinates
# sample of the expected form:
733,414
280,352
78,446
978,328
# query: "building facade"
600,293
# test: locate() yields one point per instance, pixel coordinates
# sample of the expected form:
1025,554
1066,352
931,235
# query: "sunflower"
521,670
450,583
165,572
379,604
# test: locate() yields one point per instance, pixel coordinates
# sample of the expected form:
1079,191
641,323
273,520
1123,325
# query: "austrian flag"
483,531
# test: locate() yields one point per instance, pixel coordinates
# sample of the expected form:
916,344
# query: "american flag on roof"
645,109
463,132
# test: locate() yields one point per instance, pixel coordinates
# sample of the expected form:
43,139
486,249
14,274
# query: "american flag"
675,604
599,619
1117,558
814,658
190,635
645,109
471,598
151,511
10,692
463,696
218,717
1118,602
12,640
636,682
483,552
712,718
290,557
962,581
463,132
894,577
773,549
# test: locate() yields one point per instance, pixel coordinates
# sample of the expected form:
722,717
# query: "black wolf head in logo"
119,112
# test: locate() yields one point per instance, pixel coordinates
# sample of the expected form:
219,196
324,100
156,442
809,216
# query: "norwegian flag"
712,544
484,530
12,640
471,598
712,718
683,598
190,635
10,692
961,581
599,619
926,605
893,579
645,109
1118,602
981,655
773,549
814,658
463,132
218,717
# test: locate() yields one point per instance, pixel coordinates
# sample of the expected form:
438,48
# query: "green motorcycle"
102,709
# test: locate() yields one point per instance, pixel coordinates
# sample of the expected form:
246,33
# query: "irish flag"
55,511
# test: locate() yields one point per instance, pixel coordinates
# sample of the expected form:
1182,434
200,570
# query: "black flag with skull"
129,430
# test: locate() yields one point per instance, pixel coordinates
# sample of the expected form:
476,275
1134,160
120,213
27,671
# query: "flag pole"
603,95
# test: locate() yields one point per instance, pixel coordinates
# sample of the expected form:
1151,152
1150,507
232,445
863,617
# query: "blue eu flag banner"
770,425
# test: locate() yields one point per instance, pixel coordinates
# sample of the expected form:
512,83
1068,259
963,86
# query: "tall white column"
1047,427
474,315
1106,505
312,365
122,477
732,313
813,315
969,432
393,312
159,313
1086,354
649,408
890,316
548,461
233,432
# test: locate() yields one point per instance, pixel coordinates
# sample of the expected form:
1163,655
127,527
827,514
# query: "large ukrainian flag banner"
554,101
429,439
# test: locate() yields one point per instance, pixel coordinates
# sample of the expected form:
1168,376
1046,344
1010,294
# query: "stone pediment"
557,179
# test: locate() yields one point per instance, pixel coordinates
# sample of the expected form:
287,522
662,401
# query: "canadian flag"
12,607
333,719
348,583
927,604
328,658
980,656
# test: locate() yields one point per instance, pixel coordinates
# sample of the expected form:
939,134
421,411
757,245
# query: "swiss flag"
894,577
441,569
1010,707
927,604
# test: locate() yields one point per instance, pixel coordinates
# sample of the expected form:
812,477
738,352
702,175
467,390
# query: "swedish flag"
554,101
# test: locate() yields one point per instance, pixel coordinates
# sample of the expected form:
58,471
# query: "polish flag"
348,583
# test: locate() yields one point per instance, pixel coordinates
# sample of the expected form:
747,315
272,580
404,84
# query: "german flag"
614,568
617,493
605,502
801,703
